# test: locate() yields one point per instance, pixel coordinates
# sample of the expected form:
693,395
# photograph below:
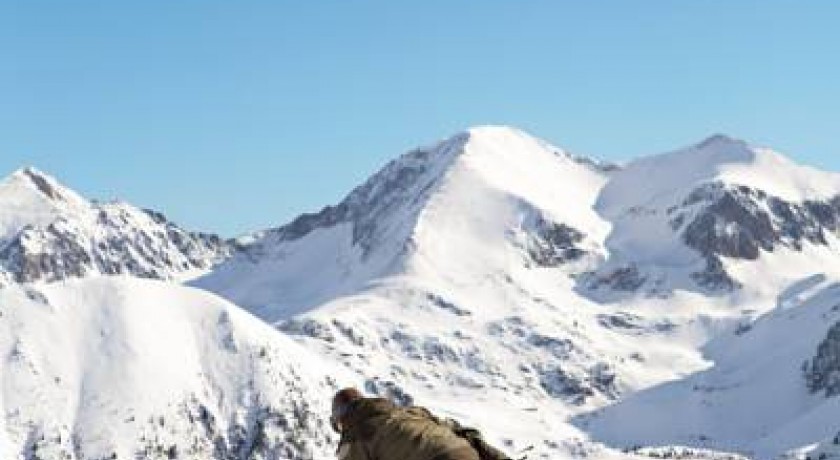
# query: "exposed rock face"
563,369
628,323
602,166
739,222
823,372
721,220
732,226
552,244
626,278
714,277
43,184
576,387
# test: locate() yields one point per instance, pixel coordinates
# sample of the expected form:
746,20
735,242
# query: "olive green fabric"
473,436
376,429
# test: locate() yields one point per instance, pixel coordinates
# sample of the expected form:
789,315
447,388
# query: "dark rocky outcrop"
714,277
552,244
626,278
822,373
740,222
576,387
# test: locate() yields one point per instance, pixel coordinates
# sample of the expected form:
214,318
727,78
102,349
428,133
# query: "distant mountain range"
50,233
683,305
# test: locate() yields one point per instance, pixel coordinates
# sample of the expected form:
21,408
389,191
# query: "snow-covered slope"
828,449
48,233
771,389
114,367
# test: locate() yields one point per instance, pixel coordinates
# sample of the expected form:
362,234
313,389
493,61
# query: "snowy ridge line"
50,233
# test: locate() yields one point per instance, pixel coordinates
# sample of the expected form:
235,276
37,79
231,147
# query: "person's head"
340,404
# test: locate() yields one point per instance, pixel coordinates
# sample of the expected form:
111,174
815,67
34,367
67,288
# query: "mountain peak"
504,135
717,159
46,185
719,140
493,130
715,150
28,172
519,141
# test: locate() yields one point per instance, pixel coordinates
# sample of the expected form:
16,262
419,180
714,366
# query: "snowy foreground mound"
127,368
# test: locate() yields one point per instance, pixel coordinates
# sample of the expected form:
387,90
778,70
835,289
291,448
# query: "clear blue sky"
231,116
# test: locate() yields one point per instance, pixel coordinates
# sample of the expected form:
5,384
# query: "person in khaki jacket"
377,429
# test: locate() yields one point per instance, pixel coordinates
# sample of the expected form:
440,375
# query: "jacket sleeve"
476,440
352,450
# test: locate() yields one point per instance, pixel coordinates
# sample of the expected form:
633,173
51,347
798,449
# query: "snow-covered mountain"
119,368
688,219
683,305
427,212
495,270
49,233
